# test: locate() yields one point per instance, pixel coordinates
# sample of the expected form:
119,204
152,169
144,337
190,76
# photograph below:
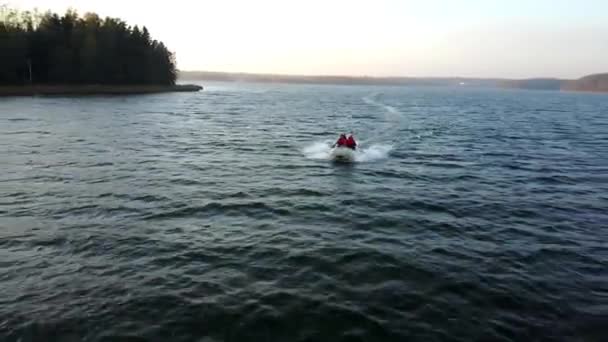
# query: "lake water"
469,214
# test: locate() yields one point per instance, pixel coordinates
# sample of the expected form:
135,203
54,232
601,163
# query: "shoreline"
596,83
95,89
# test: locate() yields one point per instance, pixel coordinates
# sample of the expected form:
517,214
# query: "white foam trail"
322,151
391,109
318,150
370,101
373,153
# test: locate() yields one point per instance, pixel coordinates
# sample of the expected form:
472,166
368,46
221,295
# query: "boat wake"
321,150
373,101
389,117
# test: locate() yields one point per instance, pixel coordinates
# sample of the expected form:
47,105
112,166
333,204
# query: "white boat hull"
343,154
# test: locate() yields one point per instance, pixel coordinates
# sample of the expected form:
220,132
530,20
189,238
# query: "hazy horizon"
385,76
387,38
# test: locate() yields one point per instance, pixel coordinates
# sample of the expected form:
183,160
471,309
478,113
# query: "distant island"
594,83
72,54
591,83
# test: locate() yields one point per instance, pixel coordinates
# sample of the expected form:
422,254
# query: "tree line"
47,48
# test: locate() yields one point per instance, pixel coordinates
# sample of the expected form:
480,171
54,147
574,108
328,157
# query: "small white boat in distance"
342,154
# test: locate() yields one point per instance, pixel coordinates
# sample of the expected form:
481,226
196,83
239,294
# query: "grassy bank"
30,90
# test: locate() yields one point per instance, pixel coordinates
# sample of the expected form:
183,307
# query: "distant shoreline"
95,89
597,83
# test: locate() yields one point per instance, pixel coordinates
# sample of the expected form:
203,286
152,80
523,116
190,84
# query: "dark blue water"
215,216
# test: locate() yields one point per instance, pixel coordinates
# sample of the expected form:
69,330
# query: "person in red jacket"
341,141
350,142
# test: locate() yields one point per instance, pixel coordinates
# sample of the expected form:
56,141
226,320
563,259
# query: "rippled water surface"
215,216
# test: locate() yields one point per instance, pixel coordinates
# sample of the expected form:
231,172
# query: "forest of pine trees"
71,49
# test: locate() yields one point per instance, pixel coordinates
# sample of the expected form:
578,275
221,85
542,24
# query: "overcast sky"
473,38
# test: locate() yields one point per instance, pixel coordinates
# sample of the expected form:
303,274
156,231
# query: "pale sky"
471,38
